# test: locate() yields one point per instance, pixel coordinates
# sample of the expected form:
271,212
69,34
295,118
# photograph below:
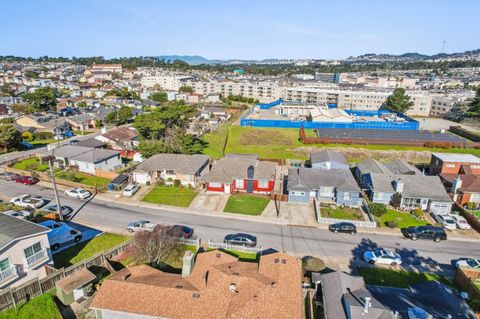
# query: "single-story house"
169,167
370,165
241,173
43,123
328,159
81,122
121,138
451,163
333,185
213,111
24,251
464,187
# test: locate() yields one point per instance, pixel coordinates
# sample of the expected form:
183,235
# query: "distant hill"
190,59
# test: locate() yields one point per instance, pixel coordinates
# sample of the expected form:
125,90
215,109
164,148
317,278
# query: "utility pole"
52,174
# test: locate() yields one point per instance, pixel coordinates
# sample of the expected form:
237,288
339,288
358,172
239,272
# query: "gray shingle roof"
231,167
314,178
82,153
328,156
12,228
370,165
181,163
81,119
399,166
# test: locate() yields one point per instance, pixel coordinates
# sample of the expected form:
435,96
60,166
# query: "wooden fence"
473,220
465,279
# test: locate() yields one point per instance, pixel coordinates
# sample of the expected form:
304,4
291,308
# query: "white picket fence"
190,242
240,248
358,223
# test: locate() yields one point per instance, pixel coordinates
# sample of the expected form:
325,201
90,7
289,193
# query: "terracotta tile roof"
269,289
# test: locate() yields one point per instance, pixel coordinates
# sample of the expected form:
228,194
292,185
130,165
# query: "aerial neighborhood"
178,186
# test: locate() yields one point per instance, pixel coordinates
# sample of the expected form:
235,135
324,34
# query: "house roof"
91,142
229,168
470,182
328,156
12,228
181,163
313,178
81,119
270,289
370,165
121,134
399,166
76,280
82,153
459,158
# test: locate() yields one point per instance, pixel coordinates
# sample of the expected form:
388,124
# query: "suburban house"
188,169
214,285
24,251
81,122
87,159
341,296
417,191
370,165
121,138
465,187
43,123
241,173
447,163
209,112
328,159
335,185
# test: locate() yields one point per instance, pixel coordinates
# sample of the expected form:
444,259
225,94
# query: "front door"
226,188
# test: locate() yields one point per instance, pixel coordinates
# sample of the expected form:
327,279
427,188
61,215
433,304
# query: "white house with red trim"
240,173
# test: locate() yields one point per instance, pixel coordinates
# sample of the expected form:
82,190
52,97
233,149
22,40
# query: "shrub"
418,213
177,183
470,205
392,224
313,264
43,136
160,182
396,200
377,209
27,136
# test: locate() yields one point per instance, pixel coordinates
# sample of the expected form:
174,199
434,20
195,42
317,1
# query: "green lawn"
171,195
477,213
41,307
87,249
175,259
83,178
396,278
284,143
42,142
341,213
240,255
82,132
403,219
31,164
246,204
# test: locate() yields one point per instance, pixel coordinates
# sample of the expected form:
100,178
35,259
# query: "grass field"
240,255
87,249
175,258
246,204
42,142
397,278
31,164
341,213
83,178
170,195
403,219
41,307
284,143
477,213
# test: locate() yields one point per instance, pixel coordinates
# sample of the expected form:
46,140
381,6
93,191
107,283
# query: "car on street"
8,176
343,227
445,220
78,193
468,263
28,201
26,180
21,214
461,222
241,239
434,233
74,142
140,225
382,256
61,234
130,189
66,210
182,231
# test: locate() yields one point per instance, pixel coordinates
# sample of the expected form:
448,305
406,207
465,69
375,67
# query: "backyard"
41,307
402,219
79,177
397,278
342,213
246,204
31,164
171,195
87,249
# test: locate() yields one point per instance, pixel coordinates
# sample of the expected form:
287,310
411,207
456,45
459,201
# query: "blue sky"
248,29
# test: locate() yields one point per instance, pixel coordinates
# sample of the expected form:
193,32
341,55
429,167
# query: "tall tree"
9,136
42,99
475,104
120,116
399,101
185,89
158,96
154,246
123,93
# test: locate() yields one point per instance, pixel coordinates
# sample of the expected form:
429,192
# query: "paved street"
336,249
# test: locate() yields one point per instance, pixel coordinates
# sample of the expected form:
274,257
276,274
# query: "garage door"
441,208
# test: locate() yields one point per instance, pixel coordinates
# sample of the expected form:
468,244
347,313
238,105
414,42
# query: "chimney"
366,305
457,183
188,261
399,186
103,130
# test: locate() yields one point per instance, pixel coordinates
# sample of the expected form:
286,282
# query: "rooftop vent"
236,274
233,288
276,260
284,261
196,295
218,255
273,284
179,286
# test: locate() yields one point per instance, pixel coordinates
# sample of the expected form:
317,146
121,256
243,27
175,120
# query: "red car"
26,180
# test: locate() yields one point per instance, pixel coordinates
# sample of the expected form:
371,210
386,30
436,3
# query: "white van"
61,234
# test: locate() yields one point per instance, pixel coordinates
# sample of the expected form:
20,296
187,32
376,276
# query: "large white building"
167,81
263,91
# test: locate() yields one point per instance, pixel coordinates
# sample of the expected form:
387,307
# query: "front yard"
41,307
402,219
397,278
87,249
31,164
79,177
246,204
341,213
170,195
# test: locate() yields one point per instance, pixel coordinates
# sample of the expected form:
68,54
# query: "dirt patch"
263,137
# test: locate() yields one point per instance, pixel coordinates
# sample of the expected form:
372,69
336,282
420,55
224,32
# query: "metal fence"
240,248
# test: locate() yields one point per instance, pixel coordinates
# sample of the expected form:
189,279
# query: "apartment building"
167,81
263,91
379,82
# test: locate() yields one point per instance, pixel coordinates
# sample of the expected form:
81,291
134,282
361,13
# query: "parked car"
29,201
68,134
78,193
446,221
343,227
436,234
8,176
26,145
382,256
26,180
241,239
54,209
74,142
140,225
468,263
21,214
130,189
182,231
61,234
461,222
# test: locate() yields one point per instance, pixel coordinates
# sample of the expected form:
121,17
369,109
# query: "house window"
347,196
378,196
4,264
170,172
32,250
475,198
475,166
297,193
450,165
262,184
326,191
239,183
214,185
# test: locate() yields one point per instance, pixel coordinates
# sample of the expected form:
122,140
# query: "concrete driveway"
209,201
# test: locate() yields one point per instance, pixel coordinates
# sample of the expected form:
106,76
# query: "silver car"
140,225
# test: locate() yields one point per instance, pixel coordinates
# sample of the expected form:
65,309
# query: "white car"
130,190
21,214
468,263
446,221
382,256
61,234
28,201
461,222
78,193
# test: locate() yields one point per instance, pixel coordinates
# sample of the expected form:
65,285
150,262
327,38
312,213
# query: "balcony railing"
37,257
8,273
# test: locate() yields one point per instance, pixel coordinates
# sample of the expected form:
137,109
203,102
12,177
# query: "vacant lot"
403,219
396,278
171,195
31,164
41,307
246,204
83,178
341,213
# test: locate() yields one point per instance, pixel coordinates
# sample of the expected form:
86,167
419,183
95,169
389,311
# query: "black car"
182,231
241,239
343,227
425,232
